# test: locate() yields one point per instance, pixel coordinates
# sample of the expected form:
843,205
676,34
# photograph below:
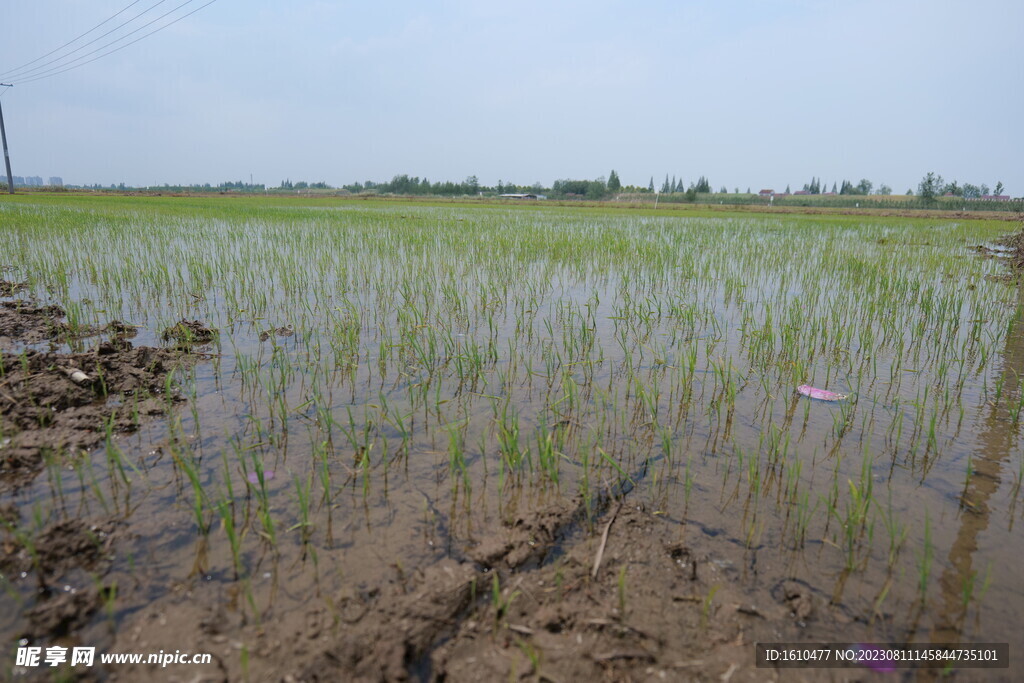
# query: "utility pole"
7,157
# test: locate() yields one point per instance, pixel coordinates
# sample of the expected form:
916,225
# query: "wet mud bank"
641,598
57,404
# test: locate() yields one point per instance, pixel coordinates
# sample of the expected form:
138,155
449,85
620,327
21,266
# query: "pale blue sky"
749,94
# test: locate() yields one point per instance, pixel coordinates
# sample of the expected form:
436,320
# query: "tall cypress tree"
614,185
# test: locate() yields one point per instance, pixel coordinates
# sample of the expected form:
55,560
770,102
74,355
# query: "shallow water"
453,367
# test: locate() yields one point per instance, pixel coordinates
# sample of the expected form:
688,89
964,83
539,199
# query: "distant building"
520,196
56,181
34,181
766,193
996,197
802,192
18,180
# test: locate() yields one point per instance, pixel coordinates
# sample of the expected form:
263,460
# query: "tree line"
931,187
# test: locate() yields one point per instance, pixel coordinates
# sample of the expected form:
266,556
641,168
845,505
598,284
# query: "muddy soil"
60,404
664,602
61,551
54,407
188,332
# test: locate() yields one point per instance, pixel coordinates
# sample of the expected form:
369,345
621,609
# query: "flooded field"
480,442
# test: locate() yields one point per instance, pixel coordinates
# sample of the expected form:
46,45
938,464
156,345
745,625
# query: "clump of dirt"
188,332
61,402
1015,243
528,537
23,322
10,288
58,614
122,330
280,332
60,548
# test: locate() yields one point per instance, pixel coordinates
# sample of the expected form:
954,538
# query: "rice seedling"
564,353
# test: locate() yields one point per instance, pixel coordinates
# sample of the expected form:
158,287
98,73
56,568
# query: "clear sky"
750,94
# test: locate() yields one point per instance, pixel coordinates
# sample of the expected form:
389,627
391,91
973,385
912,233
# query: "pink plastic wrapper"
822,394
255,478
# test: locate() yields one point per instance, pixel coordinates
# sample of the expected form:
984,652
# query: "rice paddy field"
395,388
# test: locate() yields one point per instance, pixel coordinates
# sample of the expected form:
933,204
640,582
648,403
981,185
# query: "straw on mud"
604,541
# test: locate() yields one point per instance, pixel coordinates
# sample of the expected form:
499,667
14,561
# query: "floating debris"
821,394
254,477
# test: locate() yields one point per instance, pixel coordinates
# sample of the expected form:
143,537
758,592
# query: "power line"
43,70
117,49
22,73
19,68
64,67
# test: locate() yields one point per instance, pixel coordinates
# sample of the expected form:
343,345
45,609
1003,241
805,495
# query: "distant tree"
833,188
909,192
665,187
930,186
614,184
472,185
748,190
884,190
787,190
864,186
703,186
736,190
650,185
954,189
984,188
999,188
971,191
590,189
723,190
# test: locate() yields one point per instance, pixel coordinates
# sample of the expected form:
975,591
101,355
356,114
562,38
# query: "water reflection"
961,581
